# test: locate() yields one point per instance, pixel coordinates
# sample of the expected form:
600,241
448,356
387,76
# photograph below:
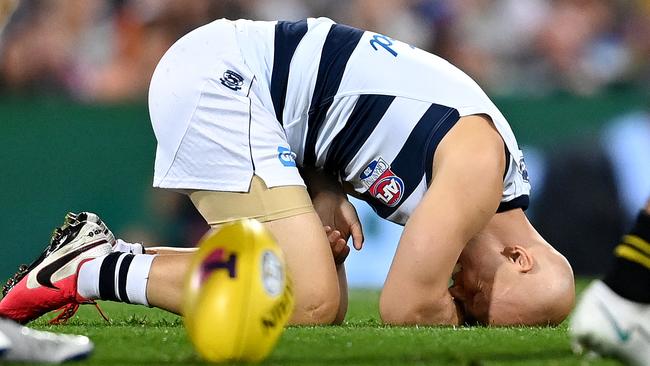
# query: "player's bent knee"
317,302
318,310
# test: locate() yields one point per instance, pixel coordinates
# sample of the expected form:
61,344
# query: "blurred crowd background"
103,52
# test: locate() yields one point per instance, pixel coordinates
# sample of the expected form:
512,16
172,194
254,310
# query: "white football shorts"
212,128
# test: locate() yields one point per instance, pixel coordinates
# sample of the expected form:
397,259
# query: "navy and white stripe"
344,104
365,116
341,41
415,159
287,37
122,275
354,133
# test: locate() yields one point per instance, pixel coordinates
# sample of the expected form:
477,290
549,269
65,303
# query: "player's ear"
519,256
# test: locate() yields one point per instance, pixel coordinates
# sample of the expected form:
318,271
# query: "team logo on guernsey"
232,80
286,156
382,183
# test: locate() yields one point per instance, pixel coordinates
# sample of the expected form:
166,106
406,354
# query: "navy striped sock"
630,275
112,277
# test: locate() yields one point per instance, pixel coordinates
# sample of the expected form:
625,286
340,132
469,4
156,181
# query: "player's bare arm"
463,196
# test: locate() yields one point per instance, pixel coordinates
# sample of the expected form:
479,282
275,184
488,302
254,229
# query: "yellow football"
238,294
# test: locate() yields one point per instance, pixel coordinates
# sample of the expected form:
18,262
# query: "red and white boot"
50,282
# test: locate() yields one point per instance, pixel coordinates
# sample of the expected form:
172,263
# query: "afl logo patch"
232,80
388,189
373,171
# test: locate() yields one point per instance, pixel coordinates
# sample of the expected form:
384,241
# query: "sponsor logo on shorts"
382,183
522,169
232,80
286,156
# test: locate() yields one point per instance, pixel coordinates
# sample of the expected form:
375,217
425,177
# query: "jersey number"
379,40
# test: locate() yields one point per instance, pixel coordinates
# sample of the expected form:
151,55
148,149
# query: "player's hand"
339,218
337,214
340,248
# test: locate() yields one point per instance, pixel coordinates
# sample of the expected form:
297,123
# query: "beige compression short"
260,203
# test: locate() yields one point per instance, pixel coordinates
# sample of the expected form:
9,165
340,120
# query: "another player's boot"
50,282
28,345
608,324
5,344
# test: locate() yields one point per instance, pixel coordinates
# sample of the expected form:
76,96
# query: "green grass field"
141,336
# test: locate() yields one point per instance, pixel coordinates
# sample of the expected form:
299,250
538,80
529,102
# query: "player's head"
511,276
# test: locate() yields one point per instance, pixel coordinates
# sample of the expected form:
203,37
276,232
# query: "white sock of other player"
117,277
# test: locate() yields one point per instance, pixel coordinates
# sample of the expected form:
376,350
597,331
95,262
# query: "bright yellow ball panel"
238,296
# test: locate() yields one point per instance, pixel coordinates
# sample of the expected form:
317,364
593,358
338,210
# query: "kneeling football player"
239,108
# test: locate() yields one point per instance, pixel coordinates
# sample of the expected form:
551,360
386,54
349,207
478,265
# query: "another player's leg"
84,263
613,316
50,282
21,344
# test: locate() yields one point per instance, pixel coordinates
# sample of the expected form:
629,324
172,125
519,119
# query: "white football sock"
131,248
117,277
